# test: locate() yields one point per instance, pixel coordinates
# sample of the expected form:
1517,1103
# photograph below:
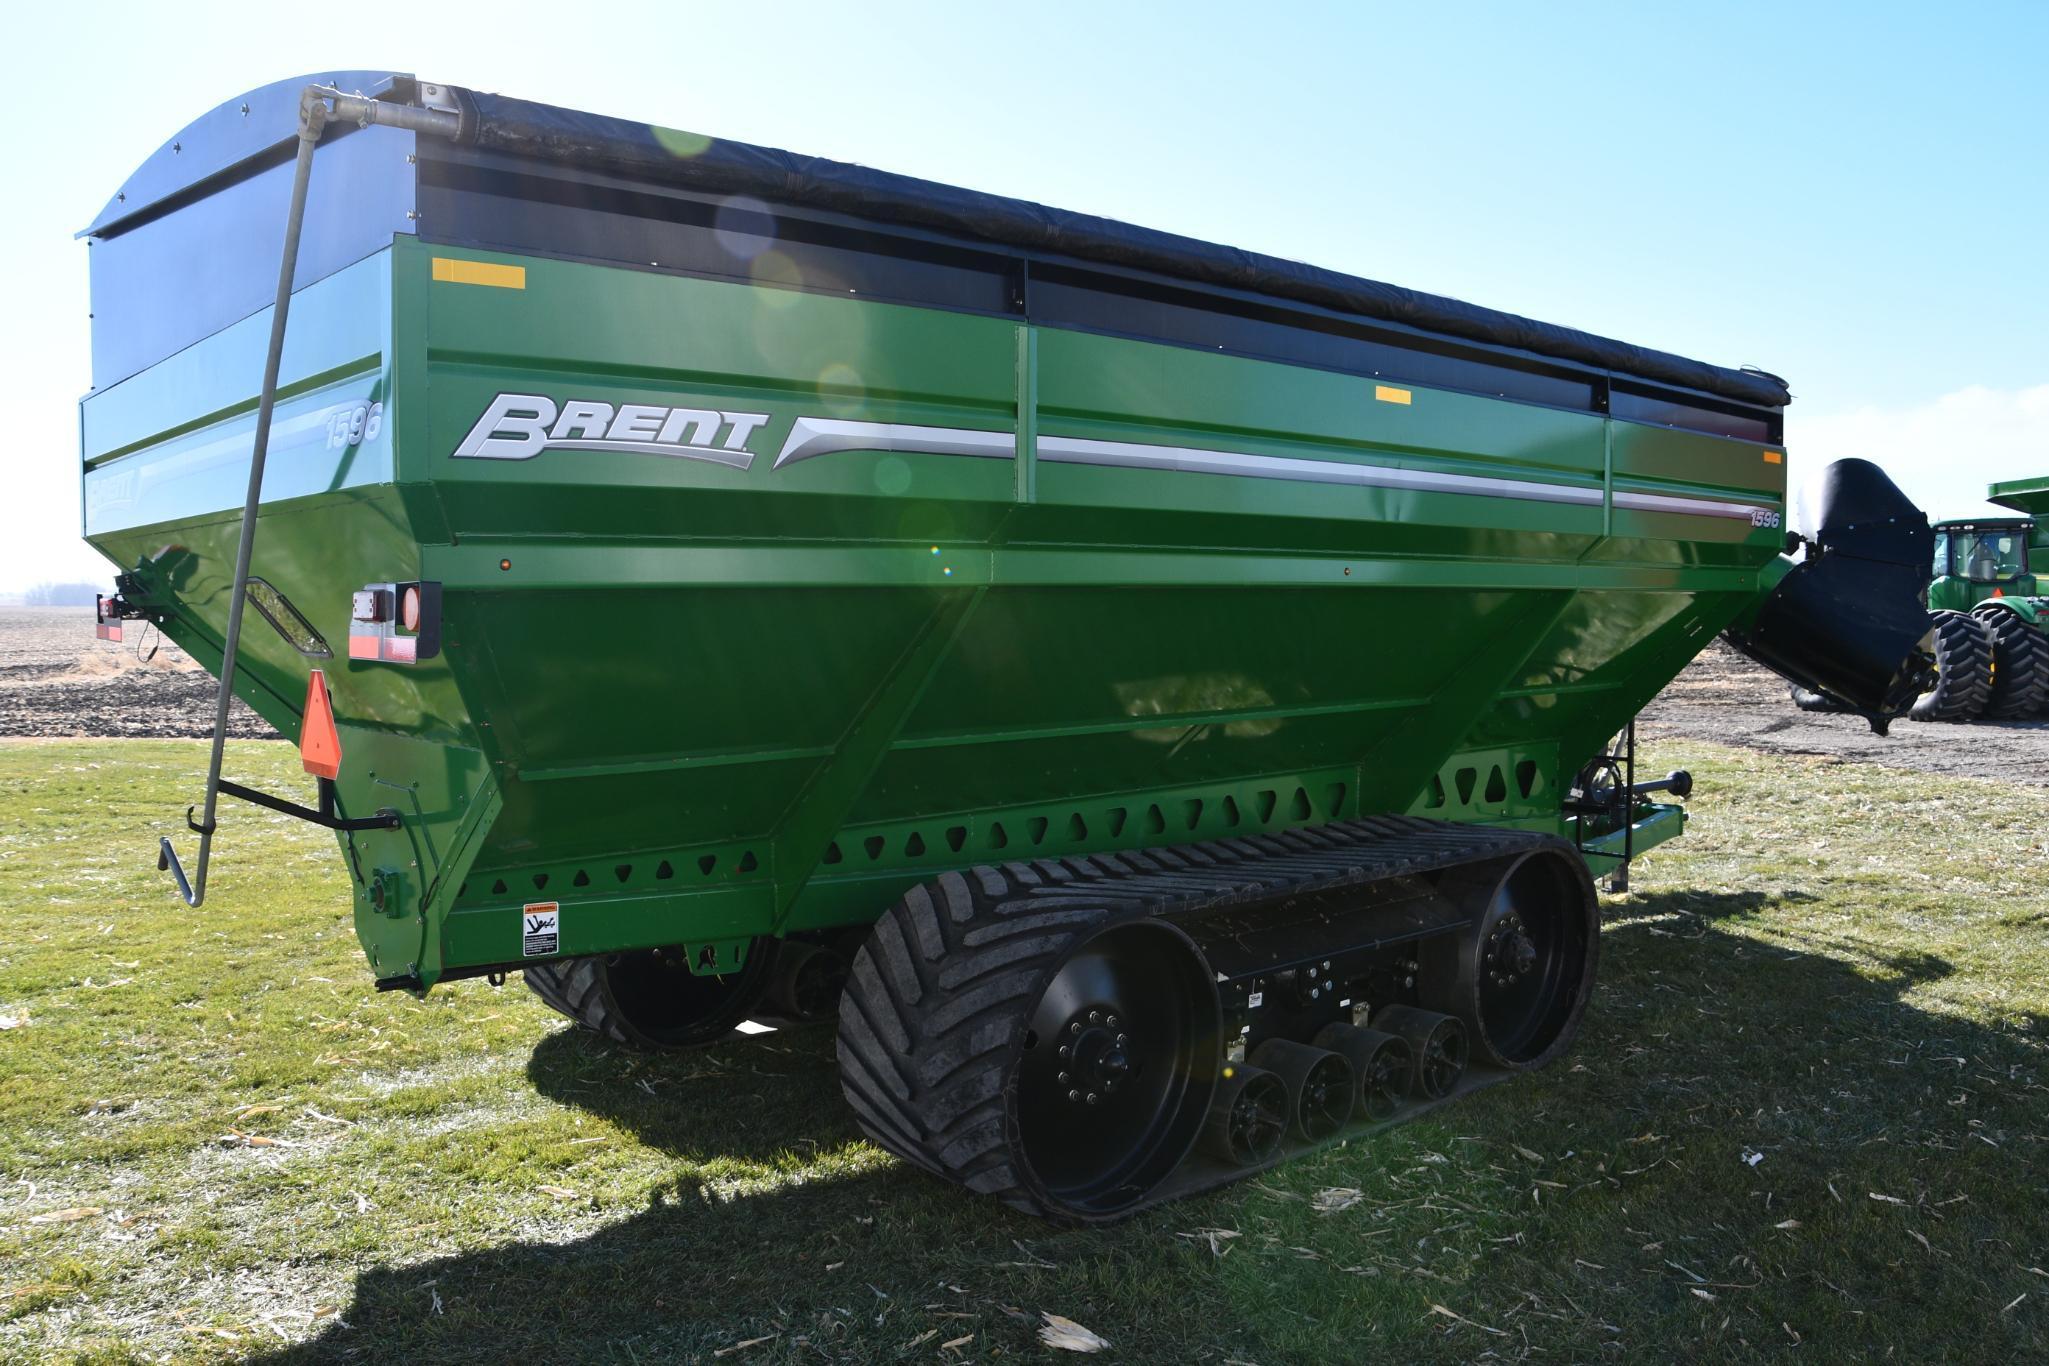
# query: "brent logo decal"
521,426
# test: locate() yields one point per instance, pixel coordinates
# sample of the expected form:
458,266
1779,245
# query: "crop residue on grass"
1812,1074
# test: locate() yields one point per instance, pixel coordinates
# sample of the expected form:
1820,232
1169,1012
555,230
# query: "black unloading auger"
317,108
1850,620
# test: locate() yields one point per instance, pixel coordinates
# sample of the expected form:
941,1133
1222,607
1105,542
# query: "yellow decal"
1774,457
1387,393
479,273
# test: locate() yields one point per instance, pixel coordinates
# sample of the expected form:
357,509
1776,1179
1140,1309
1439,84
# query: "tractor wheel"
1963,669
650,999
1059,1057
2020,664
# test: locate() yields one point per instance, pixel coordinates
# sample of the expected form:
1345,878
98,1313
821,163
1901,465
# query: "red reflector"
1999,592
107,630
319,744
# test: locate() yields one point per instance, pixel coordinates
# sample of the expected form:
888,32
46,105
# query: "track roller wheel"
1519,978
1382,1063
1321,1086
808,981
1963,669
1248,1117
2020,664
1437,1045
1057,1056
650,998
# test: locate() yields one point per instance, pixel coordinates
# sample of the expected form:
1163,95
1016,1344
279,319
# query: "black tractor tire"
937,1037
649,999
1963,669
2020,665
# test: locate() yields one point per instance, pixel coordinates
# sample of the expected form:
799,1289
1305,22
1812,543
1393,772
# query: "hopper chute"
1849,619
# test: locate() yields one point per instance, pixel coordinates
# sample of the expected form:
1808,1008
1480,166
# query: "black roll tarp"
686,161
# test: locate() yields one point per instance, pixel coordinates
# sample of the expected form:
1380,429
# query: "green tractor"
1992,658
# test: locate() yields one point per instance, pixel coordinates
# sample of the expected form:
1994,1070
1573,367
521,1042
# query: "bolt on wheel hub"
1097,1056
1510,953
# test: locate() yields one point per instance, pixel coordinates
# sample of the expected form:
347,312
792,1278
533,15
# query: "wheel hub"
1095,1055
1510,954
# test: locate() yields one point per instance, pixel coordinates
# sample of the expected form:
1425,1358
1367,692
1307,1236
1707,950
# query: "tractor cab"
1981,559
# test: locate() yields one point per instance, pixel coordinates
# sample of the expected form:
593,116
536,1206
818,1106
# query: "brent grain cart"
1173,688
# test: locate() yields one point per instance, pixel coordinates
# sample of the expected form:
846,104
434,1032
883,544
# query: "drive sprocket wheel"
650,999
1963,669
1058,1056
2020,664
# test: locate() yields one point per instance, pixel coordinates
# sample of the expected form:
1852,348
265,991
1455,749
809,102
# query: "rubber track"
934,1014
1963,669
2020,672
576,988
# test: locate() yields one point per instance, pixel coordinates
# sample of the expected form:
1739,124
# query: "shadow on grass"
1697,1031
765,1098
1707,905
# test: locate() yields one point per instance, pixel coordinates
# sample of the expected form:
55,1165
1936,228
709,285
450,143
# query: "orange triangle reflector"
319,745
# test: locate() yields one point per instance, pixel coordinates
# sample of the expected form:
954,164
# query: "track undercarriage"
1083,1037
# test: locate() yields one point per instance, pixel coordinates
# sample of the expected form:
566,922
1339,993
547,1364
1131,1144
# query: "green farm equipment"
1988,611
1160,701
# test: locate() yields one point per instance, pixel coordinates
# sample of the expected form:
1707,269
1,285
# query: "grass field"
1809,1116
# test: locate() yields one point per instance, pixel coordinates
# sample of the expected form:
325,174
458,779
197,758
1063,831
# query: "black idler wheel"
1381,1061
808,981
1248,1117
1321,1086
1437,1045
650,999
1520,976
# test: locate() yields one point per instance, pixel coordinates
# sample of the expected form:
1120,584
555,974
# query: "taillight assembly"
106,625
398,623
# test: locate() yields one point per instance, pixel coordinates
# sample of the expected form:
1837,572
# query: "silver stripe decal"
1687,507
1068,450
739,460
814,436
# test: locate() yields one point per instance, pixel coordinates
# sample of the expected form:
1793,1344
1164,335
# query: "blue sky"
1852,196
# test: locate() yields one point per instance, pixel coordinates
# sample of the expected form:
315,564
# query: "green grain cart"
1169,689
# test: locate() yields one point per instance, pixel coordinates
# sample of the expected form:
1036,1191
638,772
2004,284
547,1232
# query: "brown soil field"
1725,698
57,678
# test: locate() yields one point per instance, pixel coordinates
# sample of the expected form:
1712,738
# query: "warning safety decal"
540,929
